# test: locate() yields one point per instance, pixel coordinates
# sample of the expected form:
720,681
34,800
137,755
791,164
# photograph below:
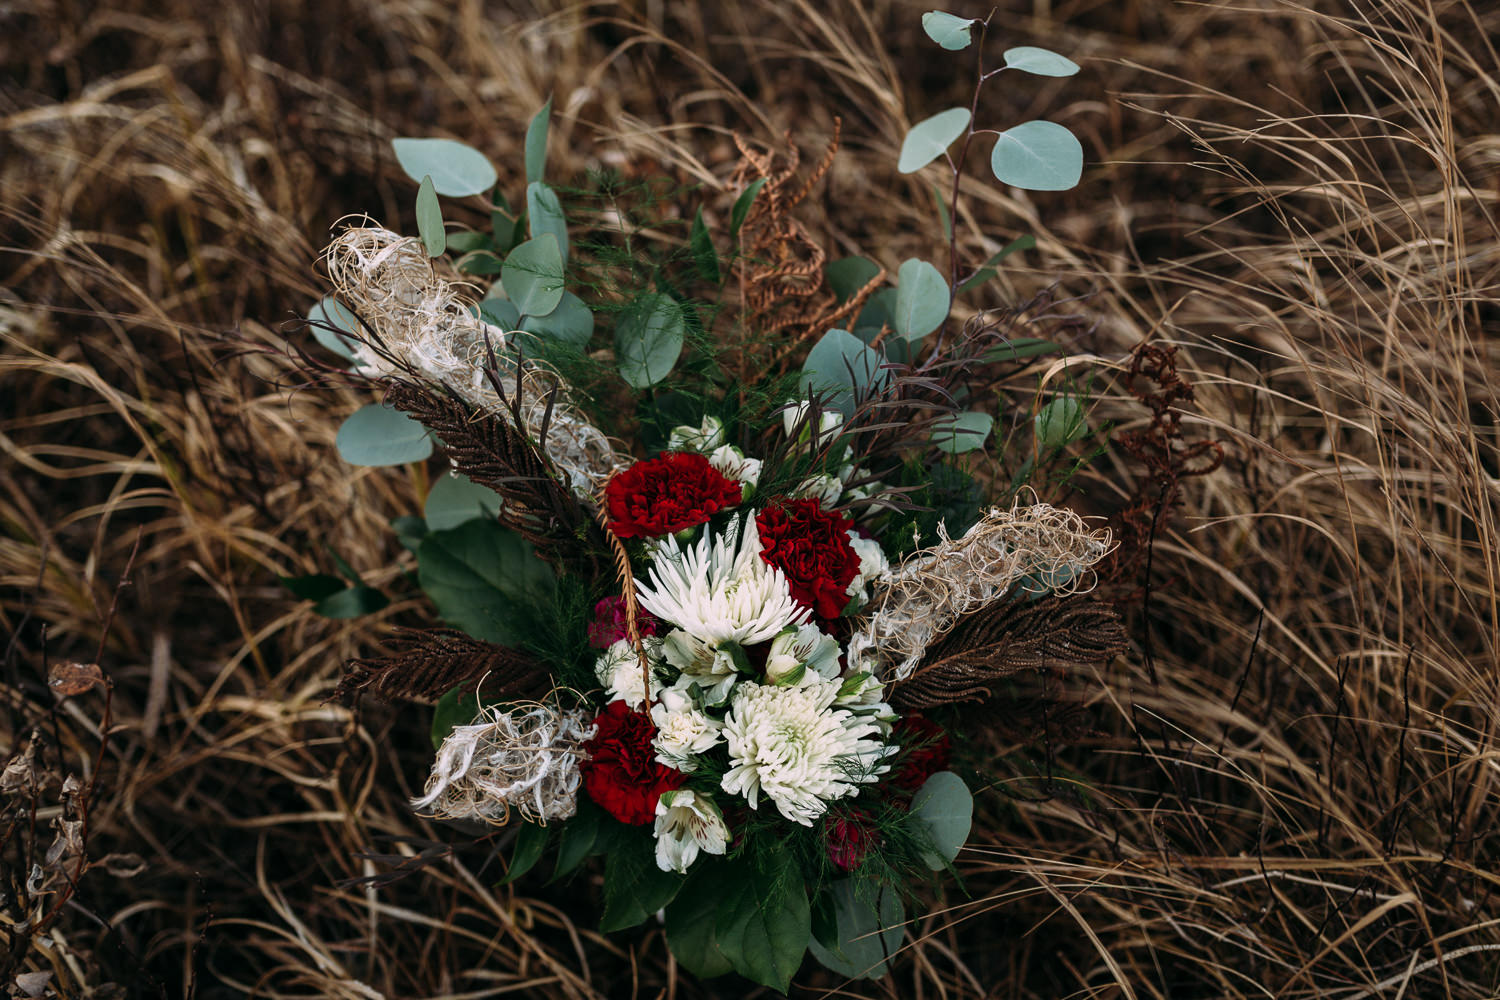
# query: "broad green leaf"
962,432
764,922
985,273
485,580
634,887
571,322
1022,348
1038,156
894,349
500,312
945,807
456,708
379,435
547,215
531,841
462,241
847,276
536,144
330,319
342,565
879,310
1060,422
951,32
929,139
692,917
430,219
483,263
742,205
457,170
454,499
533,276
410,530
842,367
648,340
579,837
868,918
352,603
313,587
922,299
1042,62
705,257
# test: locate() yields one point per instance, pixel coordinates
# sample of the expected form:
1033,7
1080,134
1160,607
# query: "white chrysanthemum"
796,651
687,823
872,565
703,439
682,732
619,670
720,590
732,464
794,747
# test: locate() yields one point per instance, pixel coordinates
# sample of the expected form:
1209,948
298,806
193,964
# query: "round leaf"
430,219
457,170
842,365
1038,156
847,276
648,340
1042,62
951,32
547,214
962,432
928,139
944,804
571,322
922,299
332,313
500,312
533,276
454,499
867,936
1060,422
379,435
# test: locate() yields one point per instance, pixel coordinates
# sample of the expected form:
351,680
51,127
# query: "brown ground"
1291,789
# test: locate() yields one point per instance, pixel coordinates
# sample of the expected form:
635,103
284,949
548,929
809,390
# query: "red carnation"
928,751
608,626
849,838
811,547
621,773
662,495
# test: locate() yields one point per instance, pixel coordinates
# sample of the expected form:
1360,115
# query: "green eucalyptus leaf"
1038,156
868,919
330,320
879,310
483,263
485,580
313,587
951,32
580,835
962,432
378,435
634,887
1060,422
462,241
943,804
930,138
533,276
847,276
547,215
410,530
531,841
354,602
922,299
705,257
692,919
1042,62
457,170
648,340
843,367
987,272
764,923
456,708
742,205
455,498
500,312
571,322
430,219
536,144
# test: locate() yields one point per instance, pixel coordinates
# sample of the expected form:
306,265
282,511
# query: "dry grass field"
1290,786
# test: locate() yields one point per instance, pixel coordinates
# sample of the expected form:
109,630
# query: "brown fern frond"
627,594
424,665
1007,638
491,452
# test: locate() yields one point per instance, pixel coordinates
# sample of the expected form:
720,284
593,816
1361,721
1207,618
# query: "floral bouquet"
711,590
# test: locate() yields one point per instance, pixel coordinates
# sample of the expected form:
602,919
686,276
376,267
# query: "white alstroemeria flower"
824,488
864,695
619,670
687,823
732,464
702,439
829,421
792,746
682,732
706,665
872,565
720,590
802,655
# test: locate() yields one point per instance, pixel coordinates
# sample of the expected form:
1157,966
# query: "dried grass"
1289,788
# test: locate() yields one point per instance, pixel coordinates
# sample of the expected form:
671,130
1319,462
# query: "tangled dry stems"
1287,789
